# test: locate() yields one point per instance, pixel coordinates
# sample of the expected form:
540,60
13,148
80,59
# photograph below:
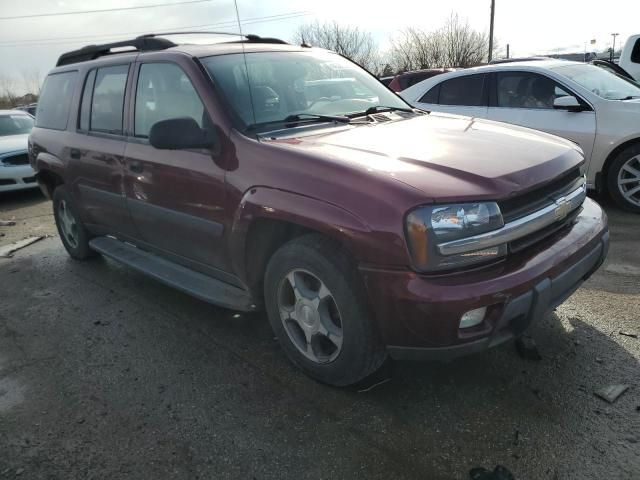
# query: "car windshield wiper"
377,108
629,97
294,119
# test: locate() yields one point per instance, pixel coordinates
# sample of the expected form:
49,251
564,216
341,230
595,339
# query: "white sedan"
596,109
15,171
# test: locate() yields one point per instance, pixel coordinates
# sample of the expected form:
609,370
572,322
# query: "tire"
341,316
73,234
629,158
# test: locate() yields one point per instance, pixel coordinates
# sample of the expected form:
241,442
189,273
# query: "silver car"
15,171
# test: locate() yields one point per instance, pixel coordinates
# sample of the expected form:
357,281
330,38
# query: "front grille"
22,159
7,181
524,242
538,198
29,179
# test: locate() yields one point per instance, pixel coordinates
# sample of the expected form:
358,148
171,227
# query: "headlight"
429,226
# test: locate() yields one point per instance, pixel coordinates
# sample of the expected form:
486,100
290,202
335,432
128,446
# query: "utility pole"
493,9
507,50
613,50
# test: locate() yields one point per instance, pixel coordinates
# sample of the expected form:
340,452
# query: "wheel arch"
268,218
602,178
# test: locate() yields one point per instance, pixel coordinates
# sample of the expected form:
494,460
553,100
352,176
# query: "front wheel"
623,179
318,311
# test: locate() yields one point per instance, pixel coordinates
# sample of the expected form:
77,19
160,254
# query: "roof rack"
91,52
146,43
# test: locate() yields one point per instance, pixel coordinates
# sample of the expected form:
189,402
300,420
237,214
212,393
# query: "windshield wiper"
377,108
294,119
629,97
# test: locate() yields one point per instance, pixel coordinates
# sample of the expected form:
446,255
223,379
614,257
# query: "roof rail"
91,52
146,43
515,60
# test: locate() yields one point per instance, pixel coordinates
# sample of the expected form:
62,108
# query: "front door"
175,197
526,98
96,152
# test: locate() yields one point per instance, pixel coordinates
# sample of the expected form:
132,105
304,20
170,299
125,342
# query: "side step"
181,278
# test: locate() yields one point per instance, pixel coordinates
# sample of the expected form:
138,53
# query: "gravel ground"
107,374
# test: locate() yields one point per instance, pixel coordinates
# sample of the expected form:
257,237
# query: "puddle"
11,394
622,269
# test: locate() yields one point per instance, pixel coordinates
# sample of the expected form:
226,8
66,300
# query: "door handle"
136,167
74,153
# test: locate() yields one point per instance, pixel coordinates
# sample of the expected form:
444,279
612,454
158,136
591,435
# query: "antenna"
246,67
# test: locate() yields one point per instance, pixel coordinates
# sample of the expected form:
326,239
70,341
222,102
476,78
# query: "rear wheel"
73,234
318,311
623,179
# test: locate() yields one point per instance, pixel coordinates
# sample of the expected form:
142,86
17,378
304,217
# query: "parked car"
15,171
630,56
613,68
365,231
30,109
386,80
596,109
407,79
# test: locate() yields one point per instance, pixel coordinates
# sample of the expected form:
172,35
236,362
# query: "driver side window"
527,90
164,91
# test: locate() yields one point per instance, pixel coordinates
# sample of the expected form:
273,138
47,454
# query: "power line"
231,23
79,12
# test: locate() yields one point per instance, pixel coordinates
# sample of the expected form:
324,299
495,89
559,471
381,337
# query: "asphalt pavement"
106,374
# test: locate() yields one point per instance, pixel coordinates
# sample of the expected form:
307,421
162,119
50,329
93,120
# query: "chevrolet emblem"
563,208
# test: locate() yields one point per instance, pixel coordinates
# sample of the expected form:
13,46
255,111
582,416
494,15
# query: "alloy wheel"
629,180
310,316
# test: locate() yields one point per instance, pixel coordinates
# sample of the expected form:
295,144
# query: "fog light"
473,317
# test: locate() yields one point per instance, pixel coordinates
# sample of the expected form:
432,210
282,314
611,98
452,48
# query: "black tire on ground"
362,352
612,178
78,247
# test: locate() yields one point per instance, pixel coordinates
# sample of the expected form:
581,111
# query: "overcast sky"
530,27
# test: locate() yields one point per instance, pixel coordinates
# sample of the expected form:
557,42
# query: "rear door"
462,95
526,98
175,197
97,151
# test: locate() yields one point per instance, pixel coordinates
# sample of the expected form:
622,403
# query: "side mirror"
569,103
178,134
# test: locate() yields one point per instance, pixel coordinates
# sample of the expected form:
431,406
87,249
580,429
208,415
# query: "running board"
181,278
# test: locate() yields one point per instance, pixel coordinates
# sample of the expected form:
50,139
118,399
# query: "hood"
448,157
13,143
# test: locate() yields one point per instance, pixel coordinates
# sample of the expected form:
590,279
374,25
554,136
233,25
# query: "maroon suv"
255,174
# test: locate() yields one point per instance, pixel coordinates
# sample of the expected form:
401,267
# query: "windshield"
285,84
601,82
15,124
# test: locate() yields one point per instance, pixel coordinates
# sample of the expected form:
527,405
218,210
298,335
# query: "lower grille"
29,179
7,181
13,160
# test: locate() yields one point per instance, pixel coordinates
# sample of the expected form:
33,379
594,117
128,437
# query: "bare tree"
351,42
456,44
32,80
7,91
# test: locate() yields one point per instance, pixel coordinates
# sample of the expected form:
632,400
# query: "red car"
407,79
366,229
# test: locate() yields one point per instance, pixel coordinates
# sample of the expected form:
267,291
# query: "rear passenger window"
107,104
635,53
464,91
164,91
55,100
431,96
85,104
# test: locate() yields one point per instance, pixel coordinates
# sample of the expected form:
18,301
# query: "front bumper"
17,177
418,315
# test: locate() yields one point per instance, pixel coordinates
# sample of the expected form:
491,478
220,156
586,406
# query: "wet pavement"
107,374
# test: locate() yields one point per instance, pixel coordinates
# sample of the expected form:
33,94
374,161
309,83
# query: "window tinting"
164,91
15,124
108,99
527,90
431,96
466,91
85,105
635,53
55,100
